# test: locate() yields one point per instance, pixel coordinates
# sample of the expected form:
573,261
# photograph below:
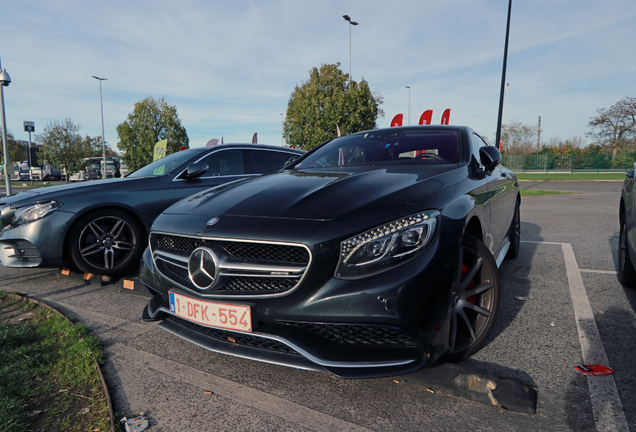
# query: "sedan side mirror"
290,161
195,170
490,157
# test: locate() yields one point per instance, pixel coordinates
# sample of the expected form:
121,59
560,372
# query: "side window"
224,163
476,142
269,161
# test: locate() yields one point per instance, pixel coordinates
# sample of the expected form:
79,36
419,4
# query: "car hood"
71,189
320,194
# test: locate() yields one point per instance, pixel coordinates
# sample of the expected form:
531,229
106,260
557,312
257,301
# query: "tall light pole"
346,17
409,120
101,104
503,79
5,80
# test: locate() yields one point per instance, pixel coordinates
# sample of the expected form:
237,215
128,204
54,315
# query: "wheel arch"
66,254
474,228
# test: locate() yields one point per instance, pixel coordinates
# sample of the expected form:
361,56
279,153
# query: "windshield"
387,147
164,165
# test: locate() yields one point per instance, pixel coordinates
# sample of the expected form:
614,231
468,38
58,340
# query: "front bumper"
394,322
37,243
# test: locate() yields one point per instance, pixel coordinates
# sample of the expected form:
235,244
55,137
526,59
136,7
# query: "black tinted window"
269,161
388,147
224,163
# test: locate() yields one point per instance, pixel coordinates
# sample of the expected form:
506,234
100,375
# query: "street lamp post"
101,104
409,119
346,17
5,80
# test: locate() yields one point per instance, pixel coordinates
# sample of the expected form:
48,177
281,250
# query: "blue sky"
231,66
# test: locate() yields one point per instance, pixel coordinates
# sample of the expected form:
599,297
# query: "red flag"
254,139
446,116
397,120
425,118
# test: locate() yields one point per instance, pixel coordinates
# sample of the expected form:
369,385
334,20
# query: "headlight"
33,212
386,246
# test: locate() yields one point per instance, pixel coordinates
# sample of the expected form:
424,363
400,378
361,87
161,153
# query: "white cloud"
230,67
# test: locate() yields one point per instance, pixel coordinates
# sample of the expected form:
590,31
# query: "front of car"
343,262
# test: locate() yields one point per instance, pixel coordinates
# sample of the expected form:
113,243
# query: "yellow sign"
160,149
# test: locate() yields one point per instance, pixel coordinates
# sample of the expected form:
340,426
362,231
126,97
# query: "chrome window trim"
205,155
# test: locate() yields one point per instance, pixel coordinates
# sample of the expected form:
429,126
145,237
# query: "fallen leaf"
397,381
207,392
430,390
231,339
83,411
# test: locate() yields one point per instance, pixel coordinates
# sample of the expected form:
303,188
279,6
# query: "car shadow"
630,293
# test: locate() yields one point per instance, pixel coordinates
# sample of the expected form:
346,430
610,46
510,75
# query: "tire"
106,242
476,295
514,234
626,272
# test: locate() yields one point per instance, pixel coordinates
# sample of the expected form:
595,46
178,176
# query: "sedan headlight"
33,212
387,246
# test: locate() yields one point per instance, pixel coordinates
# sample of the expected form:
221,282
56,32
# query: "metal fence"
598,162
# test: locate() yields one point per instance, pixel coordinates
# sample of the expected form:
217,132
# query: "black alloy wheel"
514,234
475,298
106,242
626,272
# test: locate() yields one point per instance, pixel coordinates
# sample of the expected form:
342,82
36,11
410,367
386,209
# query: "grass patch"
48,377
590,176
533,192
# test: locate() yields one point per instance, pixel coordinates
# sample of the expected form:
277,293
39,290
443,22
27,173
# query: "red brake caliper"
470,299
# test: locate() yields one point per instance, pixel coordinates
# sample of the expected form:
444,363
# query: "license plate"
211,314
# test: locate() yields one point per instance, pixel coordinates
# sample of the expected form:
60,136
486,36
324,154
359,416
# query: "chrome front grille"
244,268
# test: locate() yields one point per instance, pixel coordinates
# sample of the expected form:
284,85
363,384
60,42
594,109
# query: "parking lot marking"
283,408
597,271
606,403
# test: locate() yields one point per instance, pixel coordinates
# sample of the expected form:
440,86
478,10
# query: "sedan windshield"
164,165
388,148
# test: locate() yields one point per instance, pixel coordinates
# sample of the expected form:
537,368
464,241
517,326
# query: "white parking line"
597,271
606,403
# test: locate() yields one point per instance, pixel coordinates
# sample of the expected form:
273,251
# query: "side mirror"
290,161
195,170
489,157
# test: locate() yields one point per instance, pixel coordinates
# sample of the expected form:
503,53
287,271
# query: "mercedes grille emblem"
202,268
213,221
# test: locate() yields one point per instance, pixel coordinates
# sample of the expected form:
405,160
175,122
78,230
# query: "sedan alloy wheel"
106,243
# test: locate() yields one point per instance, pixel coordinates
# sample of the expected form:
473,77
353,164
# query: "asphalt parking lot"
562,306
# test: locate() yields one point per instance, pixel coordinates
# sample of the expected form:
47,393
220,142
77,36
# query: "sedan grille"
244,268
358,335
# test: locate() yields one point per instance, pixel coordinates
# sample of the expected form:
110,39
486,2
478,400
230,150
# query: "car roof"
246,145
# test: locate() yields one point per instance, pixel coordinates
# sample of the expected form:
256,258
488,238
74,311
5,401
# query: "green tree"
519,138
62,146
324,102
151,121
17,150
616,125
93,147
